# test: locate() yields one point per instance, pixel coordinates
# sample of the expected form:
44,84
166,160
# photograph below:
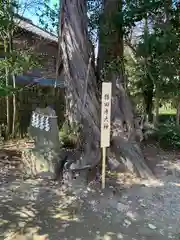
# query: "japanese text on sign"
105,114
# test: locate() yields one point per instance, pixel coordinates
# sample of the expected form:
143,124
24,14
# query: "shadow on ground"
144,210
60,215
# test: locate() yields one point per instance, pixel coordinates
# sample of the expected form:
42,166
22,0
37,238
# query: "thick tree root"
131,156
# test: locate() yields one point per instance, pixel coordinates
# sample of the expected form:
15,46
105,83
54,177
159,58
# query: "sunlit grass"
167,109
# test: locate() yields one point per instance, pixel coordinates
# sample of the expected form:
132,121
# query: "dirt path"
140,211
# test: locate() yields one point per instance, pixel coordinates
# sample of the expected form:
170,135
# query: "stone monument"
44,156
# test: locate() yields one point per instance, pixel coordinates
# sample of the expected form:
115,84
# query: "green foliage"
156,52
113,65
12,62
168,135
94,15
7,9
5,91
70,135
18,62
157,58
165,118
49,16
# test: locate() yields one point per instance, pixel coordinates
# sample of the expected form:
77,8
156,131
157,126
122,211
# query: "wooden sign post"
105,124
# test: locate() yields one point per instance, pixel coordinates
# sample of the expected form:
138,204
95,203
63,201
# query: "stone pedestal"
44,157
35,162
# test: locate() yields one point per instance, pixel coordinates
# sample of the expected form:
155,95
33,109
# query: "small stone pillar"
44,156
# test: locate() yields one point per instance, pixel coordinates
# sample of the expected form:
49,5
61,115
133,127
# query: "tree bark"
148,99
80,79
14,86
178,113
7,97
148,92
76,52
14,108
156,108
123,136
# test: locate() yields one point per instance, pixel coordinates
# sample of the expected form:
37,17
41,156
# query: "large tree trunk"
82,105
124,145
76,52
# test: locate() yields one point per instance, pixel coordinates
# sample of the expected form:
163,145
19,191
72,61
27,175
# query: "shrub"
69,135
165,118
168,135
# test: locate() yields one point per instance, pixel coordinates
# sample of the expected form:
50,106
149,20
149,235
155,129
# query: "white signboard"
106,114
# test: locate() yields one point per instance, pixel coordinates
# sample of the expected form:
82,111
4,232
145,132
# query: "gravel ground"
140,210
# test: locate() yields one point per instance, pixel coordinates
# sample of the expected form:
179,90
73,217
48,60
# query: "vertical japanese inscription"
105,114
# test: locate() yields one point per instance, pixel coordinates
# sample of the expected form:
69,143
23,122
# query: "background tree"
14,62
156,51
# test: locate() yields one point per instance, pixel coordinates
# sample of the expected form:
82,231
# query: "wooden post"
103,167
105,125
